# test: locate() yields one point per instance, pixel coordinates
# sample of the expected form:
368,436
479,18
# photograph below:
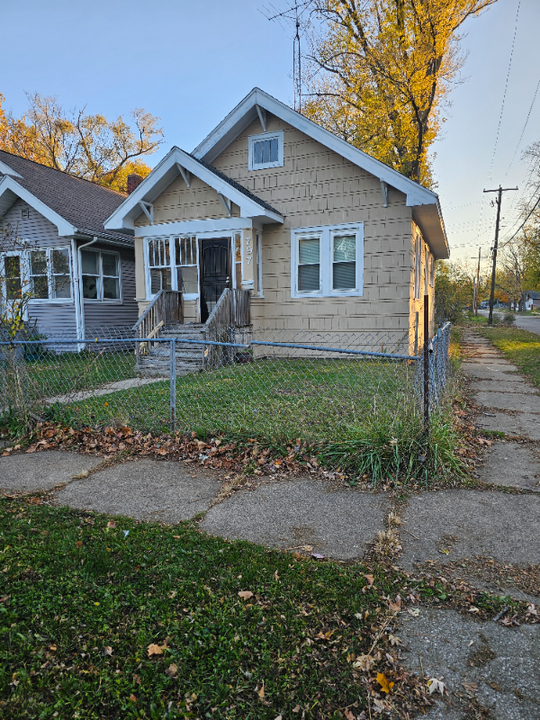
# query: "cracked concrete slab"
468,523
510,384
301,514
477,370
146,490
512,465
497,666
42,470
525,425
510,401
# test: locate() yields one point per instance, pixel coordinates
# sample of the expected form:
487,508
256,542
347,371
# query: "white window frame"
326,234
101,299
417,266
26,276
252,139
173,266
50,274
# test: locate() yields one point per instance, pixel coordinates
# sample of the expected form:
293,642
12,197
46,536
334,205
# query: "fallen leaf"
317,556
132,698
395,606
276,576
261,691
108,650
245,594
296,709
279,717
471,687
349,715
111,524
383,682
413,612
369,578
154,649
171,670
52,647
364,662
434,685
78,544
473,609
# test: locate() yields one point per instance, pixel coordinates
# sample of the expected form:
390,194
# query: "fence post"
173,383
426,363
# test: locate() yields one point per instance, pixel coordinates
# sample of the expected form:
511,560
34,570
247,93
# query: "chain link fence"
272,385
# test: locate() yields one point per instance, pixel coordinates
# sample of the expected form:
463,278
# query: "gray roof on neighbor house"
82,203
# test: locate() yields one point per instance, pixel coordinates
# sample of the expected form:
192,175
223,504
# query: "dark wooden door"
215,273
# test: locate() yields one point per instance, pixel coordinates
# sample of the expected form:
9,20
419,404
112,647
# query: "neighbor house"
78,275
321,236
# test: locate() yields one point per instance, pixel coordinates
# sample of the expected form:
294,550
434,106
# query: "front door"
215,272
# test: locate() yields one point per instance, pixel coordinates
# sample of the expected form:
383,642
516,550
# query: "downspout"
79,278
76,290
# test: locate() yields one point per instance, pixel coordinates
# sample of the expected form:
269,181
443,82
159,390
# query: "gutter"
80,294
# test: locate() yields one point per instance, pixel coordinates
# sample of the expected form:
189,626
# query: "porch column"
249,259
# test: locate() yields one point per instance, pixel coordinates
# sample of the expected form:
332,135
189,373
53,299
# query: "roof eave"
162,176
65,228
429,219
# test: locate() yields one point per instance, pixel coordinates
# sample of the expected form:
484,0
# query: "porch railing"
165,308
232,310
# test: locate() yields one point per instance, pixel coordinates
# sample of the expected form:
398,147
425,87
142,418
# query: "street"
526,322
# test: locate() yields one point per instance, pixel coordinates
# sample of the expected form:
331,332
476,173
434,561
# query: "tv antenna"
294,13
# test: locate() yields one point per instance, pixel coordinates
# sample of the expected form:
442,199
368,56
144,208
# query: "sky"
191,62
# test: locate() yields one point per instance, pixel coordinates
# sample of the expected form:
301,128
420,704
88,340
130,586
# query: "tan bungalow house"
318,235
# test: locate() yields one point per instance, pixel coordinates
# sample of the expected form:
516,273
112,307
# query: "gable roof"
72,204
178,162
425,203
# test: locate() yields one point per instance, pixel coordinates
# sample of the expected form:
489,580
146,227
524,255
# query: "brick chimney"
133,182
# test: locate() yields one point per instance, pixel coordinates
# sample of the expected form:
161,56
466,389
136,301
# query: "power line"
505,90
520,228
524,128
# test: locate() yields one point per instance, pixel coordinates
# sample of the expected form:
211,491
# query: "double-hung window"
50,274
100,275
159,262
327,261
417,266
265,150
186,264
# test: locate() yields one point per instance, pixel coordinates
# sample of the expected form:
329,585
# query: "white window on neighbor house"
50,274
265,150
100,272
327,261
13,276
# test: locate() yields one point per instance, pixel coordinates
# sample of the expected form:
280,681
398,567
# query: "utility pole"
498,200
478,281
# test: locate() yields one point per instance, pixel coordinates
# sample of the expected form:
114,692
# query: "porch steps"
189,358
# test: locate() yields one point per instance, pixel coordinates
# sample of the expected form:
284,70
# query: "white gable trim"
8,184
6,170
165,172
425,202
209,149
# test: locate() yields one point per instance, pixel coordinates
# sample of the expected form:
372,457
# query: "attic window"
265,150
25,213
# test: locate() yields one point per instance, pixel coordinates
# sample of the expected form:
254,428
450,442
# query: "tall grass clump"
395,447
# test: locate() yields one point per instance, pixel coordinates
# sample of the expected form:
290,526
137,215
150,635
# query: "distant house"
532,300
321,236
79,274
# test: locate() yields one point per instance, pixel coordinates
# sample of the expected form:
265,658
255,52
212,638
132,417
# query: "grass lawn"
519,346
275,400
115,619
48,374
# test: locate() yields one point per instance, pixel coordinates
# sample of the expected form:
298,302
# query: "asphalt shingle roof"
237,186
81,202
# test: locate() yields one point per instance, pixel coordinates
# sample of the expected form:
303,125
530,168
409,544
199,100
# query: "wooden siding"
53,318
319,187
177,202
112,314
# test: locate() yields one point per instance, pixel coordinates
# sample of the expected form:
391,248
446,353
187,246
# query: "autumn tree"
88,146
380,71
453,290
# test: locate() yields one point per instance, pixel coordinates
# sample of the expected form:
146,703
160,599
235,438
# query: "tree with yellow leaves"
88,146
380,70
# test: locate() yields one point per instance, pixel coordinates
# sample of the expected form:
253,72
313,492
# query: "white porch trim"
195,227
